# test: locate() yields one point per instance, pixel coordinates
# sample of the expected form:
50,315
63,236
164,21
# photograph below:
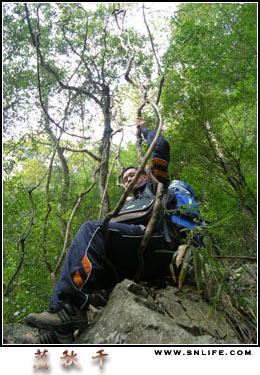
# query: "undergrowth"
229,288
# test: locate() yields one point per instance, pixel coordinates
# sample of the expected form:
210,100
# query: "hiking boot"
48,337
62,316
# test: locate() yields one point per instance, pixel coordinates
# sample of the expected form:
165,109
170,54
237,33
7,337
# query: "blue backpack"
186,212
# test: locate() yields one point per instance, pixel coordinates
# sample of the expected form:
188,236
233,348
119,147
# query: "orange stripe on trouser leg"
78,279
86,264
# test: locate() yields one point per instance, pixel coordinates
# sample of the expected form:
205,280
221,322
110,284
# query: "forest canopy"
73,79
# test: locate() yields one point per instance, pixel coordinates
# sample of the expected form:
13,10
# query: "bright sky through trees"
154,13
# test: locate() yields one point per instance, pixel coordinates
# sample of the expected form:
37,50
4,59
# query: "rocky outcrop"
145,314
134,314
13,332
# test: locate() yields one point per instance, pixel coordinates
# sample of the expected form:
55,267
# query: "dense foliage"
64,95
209,104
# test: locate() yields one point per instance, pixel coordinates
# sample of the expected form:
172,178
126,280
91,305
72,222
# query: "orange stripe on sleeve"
163,174
160,162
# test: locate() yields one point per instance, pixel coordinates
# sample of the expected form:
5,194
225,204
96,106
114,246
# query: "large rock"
13,332
136,315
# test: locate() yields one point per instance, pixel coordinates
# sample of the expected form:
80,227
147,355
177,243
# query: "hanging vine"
136,81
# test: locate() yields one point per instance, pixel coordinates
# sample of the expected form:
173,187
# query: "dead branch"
125,195
95,157
136,82
137,175
159,195
160,90
243,257
26,235
121,168
49,69
138,144
110,172
160,73
149,231
49,208
152,43
53,275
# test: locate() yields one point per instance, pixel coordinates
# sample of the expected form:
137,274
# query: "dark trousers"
85,268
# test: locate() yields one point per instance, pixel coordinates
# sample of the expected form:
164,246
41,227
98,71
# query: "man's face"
129,176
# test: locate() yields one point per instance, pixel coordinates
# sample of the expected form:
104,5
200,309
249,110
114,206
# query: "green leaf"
197,268
185,266
215,301
203,264
220,221
173,272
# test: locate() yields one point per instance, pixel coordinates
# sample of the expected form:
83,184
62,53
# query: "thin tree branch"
36,43
235,257
152,44
64,250
110,173
143,159
97,158
49,208
24,238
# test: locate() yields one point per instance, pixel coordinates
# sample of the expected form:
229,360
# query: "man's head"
128,176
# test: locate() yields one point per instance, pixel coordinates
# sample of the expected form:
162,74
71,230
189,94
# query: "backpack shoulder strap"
147,191
165,198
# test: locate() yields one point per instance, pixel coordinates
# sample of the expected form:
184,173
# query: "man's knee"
91,224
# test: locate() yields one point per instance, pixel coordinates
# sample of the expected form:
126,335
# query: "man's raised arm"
160,155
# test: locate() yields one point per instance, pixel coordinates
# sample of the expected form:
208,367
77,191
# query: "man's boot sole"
81,325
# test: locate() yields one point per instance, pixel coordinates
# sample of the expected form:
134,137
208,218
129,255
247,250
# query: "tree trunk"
238,184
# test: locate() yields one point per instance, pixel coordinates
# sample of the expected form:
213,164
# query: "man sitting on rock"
85,268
